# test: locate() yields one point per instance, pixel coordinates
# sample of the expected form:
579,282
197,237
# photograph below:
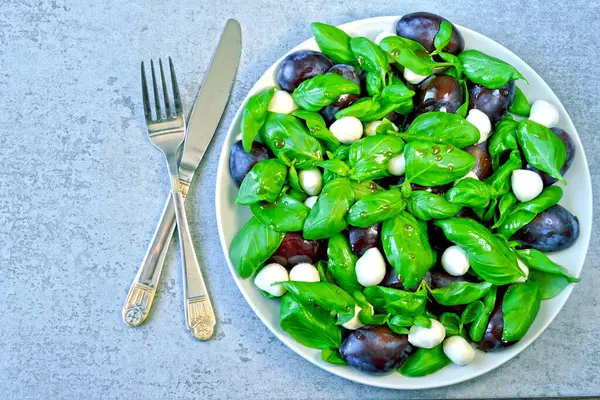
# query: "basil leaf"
396,301
325,274
464,107
426,206
430,164
254,116
410,54
336,166
549,197
315,93
323,294
333,42
295,180
289,140
264,182
472,312
460,293
500,181
489,257
376,207
341,153
406,246
342,263
457,66
285,215
488,71
542,148
369,56
326,218
385,126
441,127
364,109
504,139
424,362
364,188
397,93
451,322
332,356
366,316
537,260
469,192
487,213
505,207
369,157
520,306
550,284
520,105
442,38
309,325
317,128
422,321
480,323
400,323
375,83
399,330
252,246
514,222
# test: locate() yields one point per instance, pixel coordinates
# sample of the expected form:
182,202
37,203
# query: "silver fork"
167,134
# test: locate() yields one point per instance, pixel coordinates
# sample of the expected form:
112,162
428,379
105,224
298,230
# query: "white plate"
578,199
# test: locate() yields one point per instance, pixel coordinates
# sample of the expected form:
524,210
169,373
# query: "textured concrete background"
81,190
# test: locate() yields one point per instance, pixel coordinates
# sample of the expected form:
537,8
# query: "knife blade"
212,99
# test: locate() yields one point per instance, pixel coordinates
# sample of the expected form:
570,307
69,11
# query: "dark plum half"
294,249
492,338
483,163
351,73
439,93
492,102
423,26
300,66
551,230
363,239
240,162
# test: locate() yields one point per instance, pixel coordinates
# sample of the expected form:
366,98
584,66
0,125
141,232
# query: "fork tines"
167,104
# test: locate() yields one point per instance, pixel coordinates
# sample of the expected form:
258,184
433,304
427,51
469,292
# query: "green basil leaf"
369,56
550,284
542,148
442,38
488,71
333,42
520,105
394,301
424,362
375,83
514,222
406,246
342,263
254,116
410,54
336,166
376,207
332,356
456,64
326,218
480,323
549,197
397,93
489,257
469,192
317,128
505,207
441,127
385,127
323,294
472,312
294,179
430,164
309,325
341,153
520,306
364,109
504,139
315,93
487,213
464,108
369,157
252,246
399,330
398,322
285,215
460,293
500,181
427,206
537,260
264,182
325,274
422,321
366,316
449,318
364,188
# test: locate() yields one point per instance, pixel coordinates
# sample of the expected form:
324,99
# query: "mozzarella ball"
544,113
282,102
304,272
238,137
526,184
525,269
270,274
311,181
310,201
355,323
370,268
455,261
413,77
481,122
382,36
371,128
427,338
458,350
397,165
347,129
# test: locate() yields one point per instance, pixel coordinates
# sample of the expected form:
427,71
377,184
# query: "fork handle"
199,315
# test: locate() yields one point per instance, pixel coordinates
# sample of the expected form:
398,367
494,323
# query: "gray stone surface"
81,190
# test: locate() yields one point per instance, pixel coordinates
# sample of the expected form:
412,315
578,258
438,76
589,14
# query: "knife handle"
141,293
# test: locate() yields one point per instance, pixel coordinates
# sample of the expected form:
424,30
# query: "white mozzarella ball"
304,272
458,350
526,184
270,274
412,77
310,201
370,268
427,338
544,113
382,36
311,181
397,165
355,323
238,137
371,128
525,269
282,102
482,123
455,261
347,129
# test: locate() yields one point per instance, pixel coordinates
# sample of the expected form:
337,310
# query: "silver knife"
206,114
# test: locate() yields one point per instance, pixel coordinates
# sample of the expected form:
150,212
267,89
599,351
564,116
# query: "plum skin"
551,230
570,146
492,337
294,249
483,160
439,93
240,162
492,102
375,349
300,66
345,100
363,239
423,26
